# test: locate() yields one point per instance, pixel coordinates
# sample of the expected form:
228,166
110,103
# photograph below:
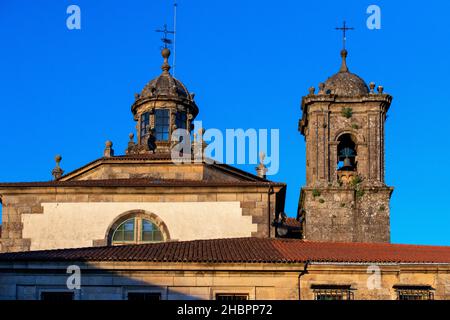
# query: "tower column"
333,145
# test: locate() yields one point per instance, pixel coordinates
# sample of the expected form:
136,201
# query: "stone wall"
203,281
345,215
164,169
154,171
364,285
44,218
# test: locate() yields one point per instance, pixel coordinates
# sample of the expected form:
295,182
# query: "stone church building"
141,226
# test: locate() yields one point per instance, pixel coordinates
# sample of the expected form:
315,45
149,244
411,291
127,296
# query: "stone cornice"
384,100
313,98
191,105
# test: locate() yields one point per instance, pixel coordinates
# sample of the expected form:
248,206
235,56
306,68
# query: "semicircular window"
150,232
136,230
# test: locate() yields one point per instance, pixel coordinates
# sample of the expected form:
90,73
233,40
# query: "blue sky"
249,63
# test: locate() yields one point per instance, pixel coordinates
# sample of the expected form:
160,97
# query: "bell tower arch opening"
347,153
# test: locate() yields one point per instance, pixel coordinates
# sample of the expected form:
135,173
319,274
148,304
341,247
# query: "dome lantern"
164,105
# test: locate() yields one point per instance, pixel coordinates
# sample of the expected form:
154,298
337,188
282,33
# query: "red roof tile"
245,250
292,223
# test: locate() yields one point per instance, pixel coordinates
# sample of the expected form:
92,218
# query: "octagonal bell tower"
345,197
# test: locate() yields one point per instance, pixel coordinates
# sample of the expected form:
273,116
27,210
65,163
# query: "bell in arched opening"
346,153
347,156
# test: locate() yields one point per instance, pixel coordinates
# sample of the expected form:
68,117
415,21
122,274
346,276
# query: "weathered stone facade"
343,125
343,214
114,280
20,204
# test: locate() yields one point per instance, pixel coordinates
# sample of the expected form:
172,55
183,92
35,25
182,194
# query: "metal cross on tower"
344,30
166,32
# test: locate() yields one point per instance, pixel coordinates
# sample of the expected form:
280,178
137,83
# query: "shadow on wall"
56,281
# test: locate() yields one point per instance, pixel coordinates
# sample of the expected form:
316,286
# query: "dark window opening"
332,292
144,296
346,153
57,296
181,120
162,121
145,122
181,123
414,292
231,296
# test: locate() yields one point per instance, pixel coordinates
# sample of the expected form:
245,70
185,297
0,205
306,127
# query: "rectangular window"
332,292
411,292
181,120
145,121
162,121
231,296
57,296
144,296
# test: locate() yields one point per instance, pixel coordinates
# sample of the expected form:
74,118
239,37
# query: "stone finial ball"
58,158
165,53
108,144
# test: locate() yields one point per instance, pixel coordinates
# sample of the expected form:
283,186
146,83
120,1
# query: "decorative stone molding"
359,138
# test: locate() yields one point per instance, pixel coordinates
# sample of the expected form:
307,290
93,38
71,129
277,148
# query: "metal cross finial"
165,40
344,29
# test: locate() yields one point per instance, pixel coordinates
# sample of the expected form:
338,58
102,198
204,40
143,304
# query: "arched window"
126,232
136,230
150,232
346,153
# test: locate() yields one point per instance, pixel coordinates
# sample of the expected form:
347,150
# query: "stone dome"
165,85
345,83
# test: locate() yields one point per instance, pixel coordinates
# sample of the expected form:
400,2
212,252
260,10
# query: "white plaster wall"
73,225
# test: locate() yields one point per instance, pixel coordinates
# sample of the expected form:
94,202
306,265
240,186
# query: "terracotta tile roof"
139,182
292,223
245,250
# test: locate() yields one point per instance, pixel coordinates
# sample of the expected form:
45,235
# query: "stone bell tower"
345,197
